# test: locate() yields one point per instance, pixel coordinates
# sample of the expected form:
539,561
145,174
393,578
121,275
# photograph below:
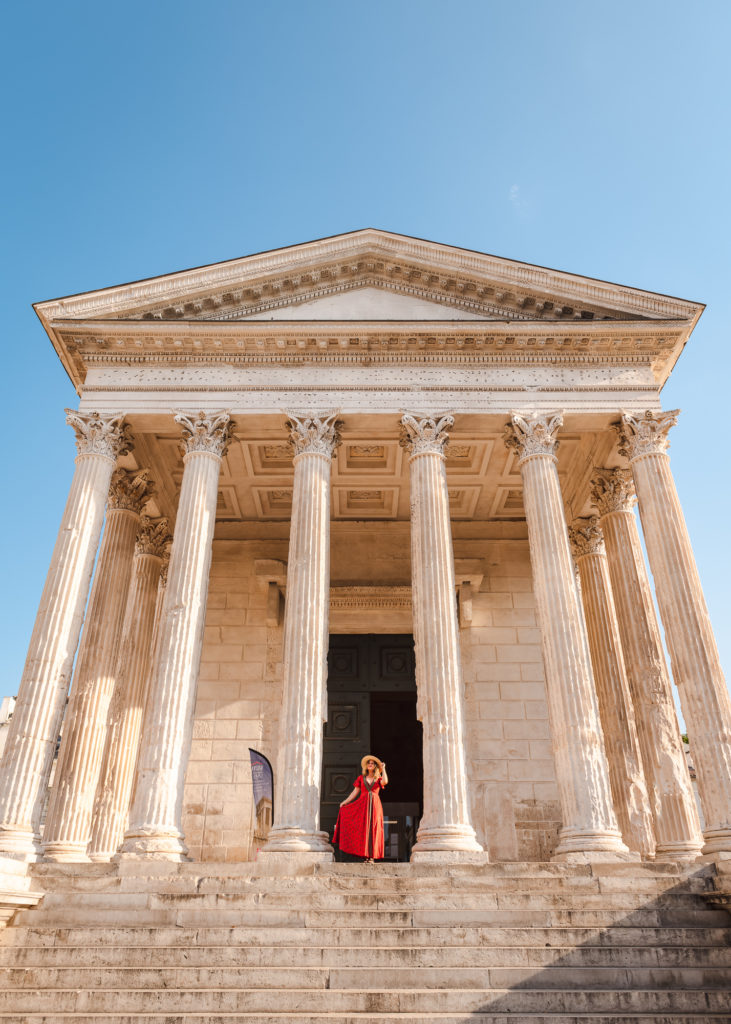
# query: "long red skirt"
359,828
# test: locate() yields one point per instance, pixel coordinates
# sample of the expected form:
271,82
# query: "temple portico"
369,495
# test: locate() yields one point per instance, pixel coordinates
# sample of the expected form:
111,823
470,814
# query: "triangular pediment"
369,275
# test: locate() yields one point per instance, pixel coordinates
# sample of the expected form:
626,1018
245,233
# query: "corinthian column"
627,779
130,692
68,822
589,823
697,671
445,825
154,823
33,731
304,701
677,829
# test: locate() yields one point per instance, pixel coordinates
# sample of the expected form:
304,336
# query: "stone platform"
525,943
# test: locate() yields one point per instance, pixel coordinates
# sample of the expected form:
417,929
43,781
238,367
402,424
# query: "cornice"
348,255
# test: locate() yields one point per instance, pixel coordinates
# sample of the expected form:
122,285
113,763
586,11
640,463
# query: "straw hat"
371,757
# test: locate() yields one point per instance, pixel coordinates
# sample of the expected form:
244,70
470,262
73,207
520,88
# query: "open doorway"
372,710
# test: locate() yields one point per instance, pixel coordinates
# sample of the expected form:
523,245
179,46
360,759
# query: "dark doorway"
372,710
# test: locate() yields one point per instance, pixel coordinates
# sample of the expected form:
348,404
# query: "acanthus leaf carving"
533,434
206,432
99,435
129,490
425,435
154,537
613,490
314,433
645,435
585,535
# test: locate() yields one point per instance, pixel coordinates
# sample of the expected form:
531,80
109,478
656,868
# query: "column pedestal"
304,702
155,818
33,731
589,824
445,832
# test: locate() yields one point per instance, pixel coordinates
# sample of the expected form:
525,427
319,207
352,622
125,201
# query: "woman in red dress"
359,828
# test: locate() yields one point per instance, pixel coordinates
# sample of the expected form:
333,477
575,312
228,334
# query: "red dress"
359,828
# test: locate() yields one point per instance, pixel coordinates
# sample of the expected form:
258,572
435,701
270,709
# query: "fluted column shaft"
445,825
29,749
704,696
677,828
130,694
589,823
626,775
304,699
154,828
68,821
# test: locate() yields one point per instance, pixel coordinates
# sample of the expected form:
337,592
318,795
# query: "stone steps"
442,956
414,1000
536,943
391,937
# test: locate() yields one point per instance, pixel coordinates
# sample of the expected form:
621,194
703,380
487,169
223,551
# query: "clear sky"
142,138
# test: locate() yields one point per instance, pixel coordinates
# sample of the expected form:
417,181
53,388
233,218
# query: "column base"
584,847
446,839
20,844
717,840
296,840
686,851
65,853
98,857
143,845
448,857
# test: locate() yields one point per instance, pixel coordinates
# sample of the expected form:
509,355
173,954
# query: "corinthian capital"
129,490
206,432
585,535
534,434
612,490
99,435
427,435
154,537
314,433
645,435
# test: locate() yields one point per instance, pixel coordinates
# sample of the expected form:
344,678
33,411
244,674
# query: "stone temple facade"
310,456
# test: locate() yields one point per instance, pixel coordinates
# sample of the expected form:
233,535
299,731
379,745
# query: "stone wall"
514,796
239,694
510,766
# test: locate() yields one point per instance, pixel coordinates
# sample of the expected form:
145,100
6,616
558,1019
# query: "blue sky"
142,138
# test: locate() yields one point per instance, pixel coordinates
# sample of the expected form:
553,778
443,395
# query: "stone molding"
533,434
645,435
427,435
613,490
154,538
129,490
99,435
314,433
585,535
206,432
442,267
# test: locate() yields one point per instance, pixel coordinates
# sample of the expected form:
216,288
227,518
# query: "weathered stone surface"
29,748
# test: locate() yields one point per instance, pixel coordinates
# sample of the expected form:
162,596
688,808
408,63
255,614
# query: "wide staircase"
518,943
